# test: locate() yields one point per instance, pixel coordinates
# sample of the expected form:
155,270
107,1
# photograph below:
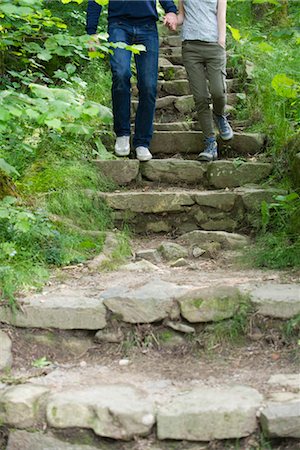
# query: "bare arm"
221,16
180,16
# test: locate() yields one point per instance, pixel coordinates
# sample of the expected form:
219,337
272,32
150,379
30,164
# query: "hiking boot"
210,152
122,146
224,128
143,153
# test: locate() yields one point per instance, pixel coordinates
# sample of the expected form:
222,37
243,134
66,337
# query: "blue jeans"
147,72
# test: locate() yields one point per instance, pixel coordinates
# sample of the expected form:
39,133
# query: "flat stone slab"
5,351
122,171
148,202
63,309
23,406
151,302
172,251
277,300
113,411
253,196
164,142
209,304
174,171
37,440
281,419
227,240
205,414
222,174
290,381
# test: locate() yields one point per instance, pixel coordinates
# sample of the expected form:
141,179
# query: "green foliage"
278,245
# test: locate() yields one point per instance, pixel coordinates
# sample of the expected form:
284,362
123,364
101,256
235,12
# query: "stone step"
217,174
182,210
182,87
170,41
43,415
183,104
193,125
187,142
166,63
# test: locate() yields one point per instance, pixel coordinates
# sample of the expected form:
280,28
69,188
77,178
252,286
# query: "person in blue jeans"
133,22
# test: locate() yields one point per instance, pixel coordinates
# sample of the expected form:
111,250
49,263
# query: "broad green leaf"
70,68
44,55
54,123
285,86
265,47
7,168
235,33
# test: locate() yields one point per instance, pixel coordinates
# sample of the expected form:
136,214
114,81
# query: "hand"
171,21
222,43
92,42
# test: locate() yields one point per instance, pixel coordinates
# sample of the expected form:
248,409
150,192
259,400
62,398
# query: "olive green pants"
206,61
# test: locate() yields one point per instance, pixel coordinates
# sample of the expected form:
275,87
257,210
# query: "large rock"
5,351
174,171
120,171
185,104
290,381
65,309
253,197
23,406
281,419
277,300
205,414
201,238
174,87
222,174
171,251
210,303
148,202
148,303
173,72
192,141
113,411
223,200
40,441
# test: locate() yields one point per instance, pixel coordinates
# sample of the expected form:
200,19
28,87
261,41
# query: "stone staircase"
174,192
138,357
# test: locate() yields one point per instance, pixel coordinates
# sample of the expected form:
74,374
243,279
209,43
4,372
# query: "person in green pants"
204,57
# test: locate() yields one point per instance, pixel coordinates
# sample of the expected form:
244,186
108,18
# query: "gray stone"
175,87
111,243
140,266
290,381
111,337
207,304
165,102
121,171
158,226
5,351
253,197
185,104
197,252
113,411
205,414
174,171
225,223
40,441
222,174
192,141
150,255
148,202
151,302
172,41
277,300
230,241
222,200
181,262
172,126
23,406
179,326
173,73
164,62
281,419
66,309
171,251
